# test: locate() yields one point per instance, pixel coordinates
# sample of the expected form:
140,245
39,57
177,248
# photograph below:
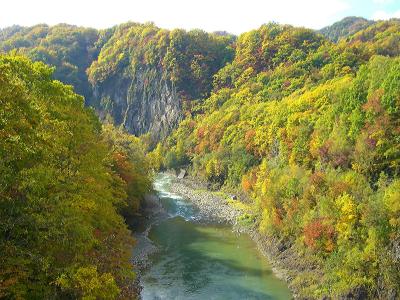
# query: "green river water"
204,261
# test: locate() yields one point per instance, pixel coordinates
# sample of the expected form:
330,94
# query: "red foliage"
123,166
319,235
97,232
201,132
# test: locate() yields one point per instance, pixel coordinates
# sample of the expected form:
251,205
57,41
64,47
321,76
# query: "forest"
66,183
303,125
309,131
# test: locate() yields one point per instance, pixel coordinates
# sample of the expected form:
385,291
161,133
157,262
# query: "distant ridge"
344,28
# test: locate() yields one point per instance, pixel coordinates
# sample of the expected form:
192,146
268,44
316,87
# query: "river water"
204,261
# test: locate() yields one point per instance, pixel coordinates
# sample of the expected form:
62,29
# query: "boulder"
182,174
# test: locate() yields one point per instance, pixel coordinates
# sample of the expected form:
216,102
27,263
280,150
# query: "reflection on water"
200,261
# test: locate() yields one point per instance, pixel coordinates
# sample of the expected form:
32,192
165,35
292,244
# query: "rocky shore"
216,207
212,208
285,261
152,214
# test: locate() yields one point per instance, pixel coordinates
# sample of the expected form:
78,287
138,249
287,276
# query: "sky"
235,16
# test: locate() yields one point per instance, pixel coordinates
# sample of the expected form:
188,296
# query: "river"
198,260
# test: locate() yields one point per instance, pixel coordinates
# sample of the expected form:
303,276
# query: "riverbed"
197,259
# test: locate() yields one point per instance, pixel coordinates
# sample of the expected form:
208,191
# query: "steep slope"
144,79
145,76
309,131
70,49
64,184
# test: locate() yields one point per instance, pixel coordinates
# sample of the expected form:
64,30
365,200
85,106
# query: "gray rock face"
142,102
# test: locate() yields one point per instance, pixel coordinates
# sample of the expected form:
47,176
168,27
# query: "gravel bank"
144,248
212,207
285,261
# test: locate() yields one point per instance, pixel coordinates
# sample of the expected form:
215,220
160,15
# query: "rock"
211,209
182,174
141,102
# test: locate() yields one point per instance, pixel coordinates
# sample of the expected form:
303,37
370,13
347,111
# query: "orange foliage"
319,235
277,217
249,139
292,209
246,184
317,179
338,188
201,132
123,166
215,136
374,102
249,180
201,147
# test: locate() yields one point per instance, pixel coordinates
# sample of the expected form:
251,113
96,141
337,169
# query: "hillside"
145,77
65,186
309,131
344,28
303,126
140,76
70,49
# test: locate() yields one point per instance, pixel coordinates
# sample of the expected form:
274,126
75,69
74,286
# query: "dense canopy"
303,125
309,130
63,187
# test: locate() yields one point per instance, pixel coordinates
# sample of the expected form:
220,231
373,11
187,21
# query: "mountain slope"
141,77
309,131
344,28
70,49
305,128
145,76
64,184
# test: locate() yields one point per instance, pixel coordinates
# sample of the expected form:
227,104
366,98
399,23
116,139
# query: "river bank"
286,263
151,214
184,252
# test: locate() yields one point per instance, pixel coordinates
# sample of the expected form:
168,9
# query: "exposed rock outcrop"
144,102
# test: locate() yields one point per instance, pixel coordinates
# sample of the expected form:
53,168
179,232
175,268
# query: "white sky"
235,16
383,15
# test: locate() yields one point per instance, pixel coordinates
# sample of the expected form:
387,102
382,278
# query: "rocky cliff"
136,75
145,102
144,74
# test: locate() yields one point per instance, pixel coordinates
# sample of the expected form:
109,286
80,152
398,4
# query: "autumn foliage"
309,130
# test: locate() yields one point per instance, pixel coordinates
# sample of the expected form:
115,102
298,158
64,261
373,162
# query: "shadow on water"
198,261
182,235
203,261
